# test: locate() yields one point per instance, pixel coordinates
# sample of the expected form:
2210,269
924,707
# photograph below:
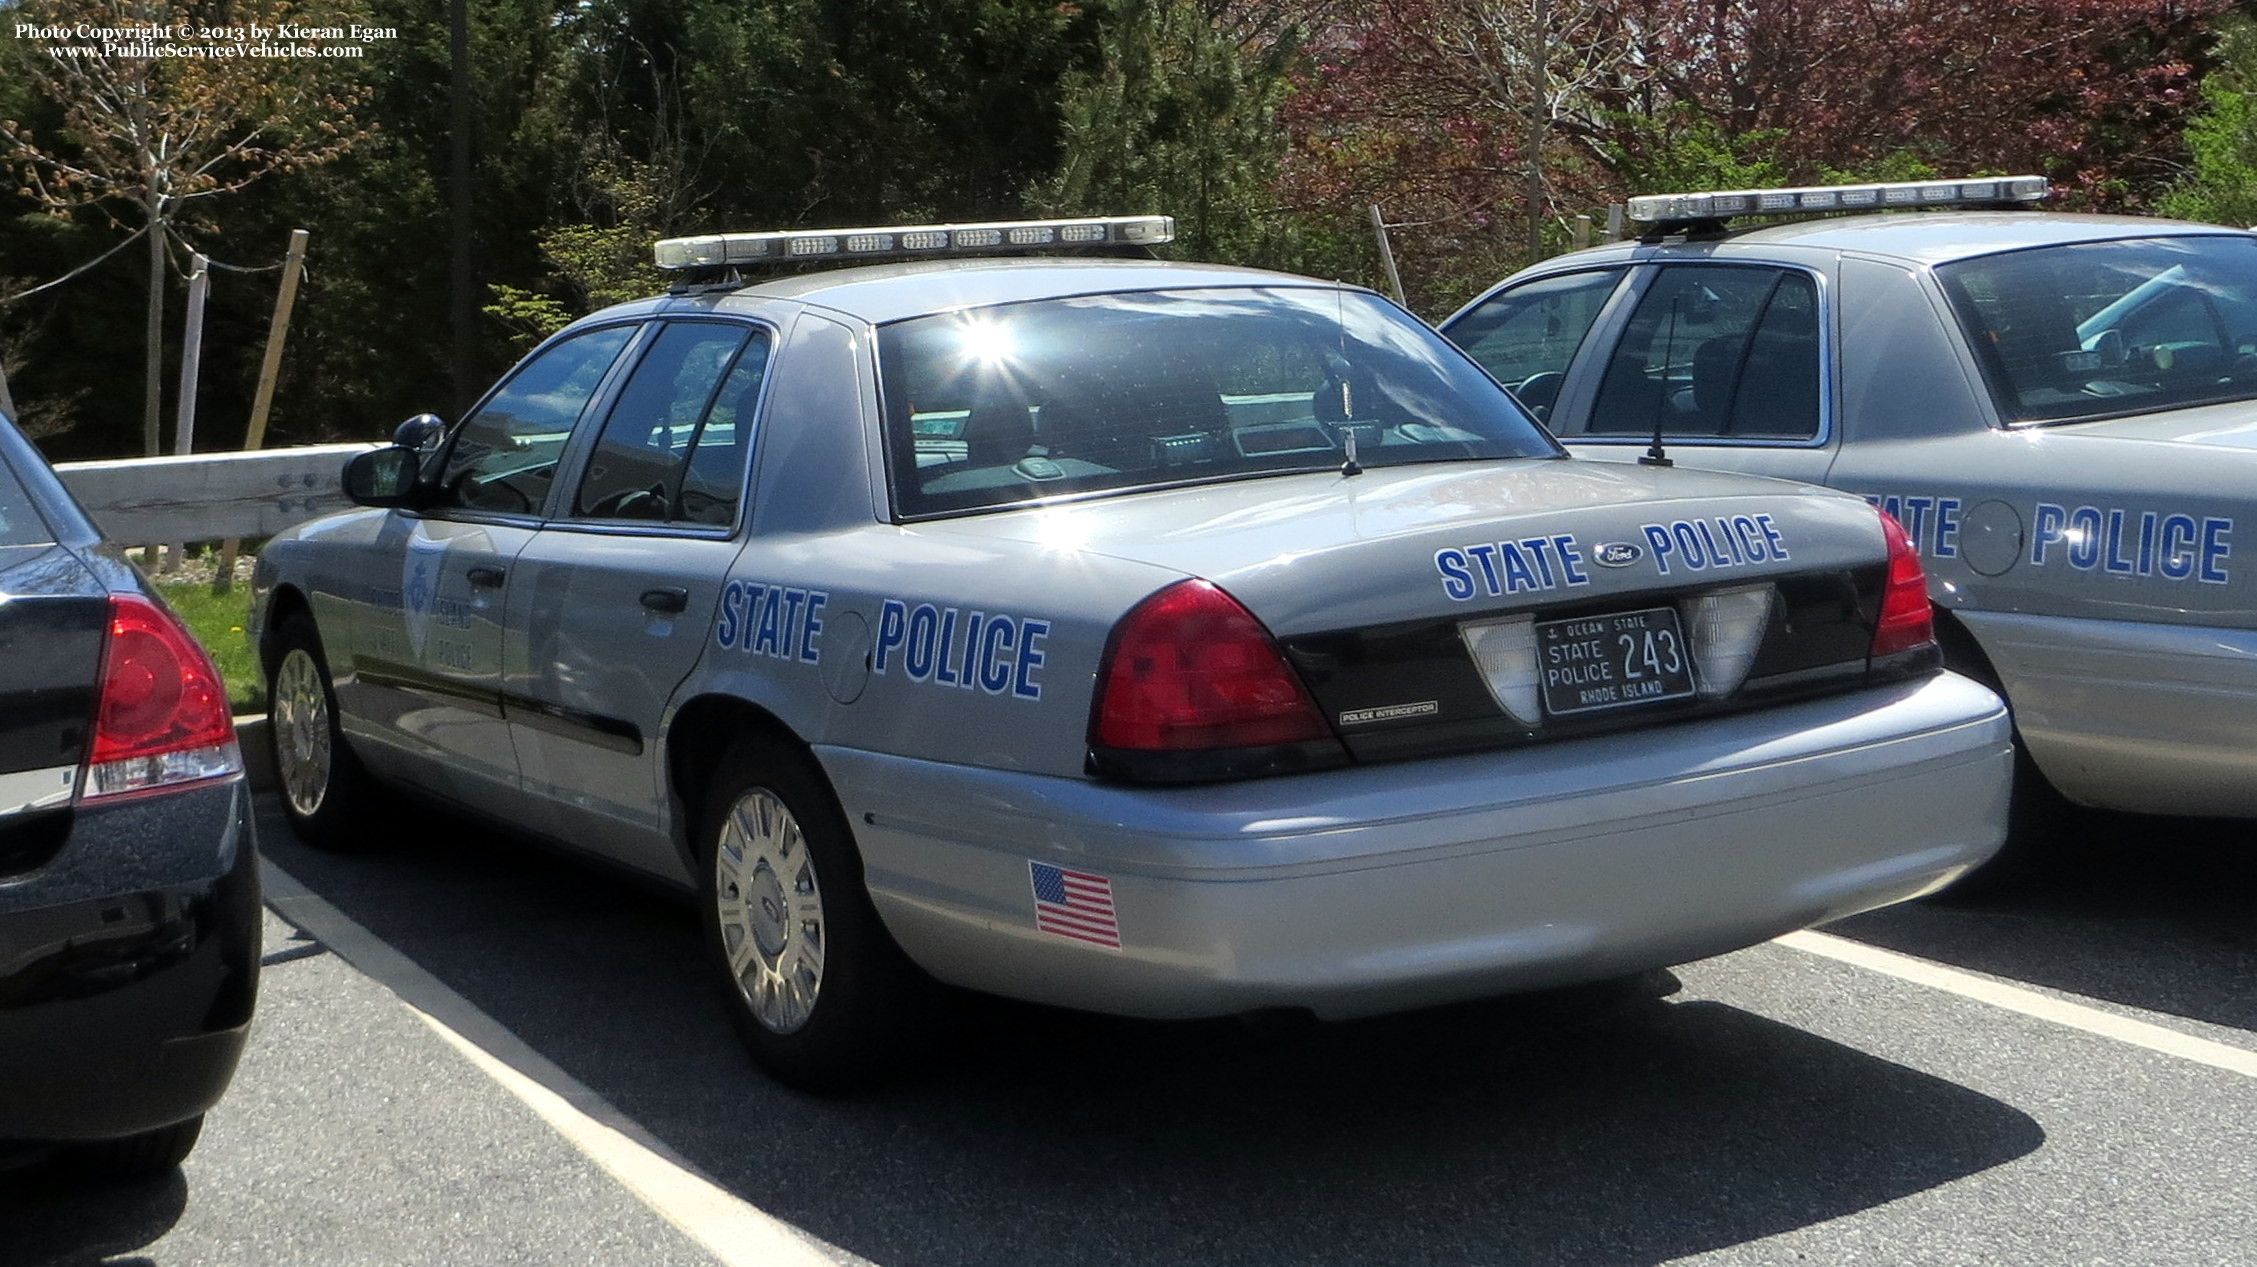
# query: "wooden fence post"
278,330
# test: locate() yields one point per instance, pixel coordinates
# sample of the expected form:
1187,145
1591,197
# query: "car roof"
1939,237
890,292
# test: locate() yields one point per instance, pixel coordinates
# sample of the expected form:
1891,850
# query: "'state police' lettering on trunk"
771,620
2176,547
1716,543
993,652
1499,568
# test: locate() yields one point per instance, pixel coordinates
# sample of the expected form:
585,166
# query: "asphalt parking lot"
473,1052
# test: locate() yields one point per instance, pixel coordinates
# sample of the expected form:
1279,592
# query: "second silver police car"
1159,639
2058,408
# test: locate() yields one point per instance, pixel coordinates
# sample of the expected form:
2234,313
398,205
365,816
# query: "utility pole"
1539,110
463,295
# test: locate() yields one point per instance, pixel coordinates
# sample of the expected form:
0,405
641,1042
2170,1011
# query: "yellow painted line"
2027,1002
733,1230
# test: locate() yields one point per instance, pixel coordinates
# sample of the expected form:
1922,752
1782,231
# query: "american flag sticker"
1074,904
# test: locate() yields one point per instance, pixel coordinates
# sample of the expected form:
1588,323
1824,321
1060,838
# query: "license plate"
1617,660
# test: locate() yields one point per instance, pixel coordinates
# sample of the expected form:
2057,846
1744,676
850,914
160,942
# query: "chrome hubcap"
771,910
301,731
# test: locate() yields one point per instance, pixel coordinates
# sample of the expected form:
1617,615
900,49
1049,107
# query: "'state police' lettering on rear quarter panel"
1716,543
2147,543
782,621
991,651
1499,568
1931,522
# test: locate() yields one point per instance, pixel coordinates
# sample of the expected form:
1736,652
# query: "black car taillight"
160,715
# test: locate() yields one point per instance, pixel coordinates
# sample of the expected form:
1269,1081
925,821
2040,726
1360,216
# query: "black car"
129,896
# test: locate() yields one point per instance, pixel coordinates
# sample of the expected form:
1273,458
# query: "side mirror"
383,477
420,432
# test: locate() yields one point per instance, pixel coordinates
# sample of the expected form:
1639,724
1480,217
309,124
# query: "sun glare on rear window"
1017,403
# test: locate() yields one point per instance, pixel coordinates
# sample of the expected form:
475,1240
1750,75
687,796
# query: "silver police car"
2057,408
1158,639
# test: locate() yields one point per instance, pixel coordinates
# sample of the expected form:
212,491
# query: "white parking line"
736,1232
2014,998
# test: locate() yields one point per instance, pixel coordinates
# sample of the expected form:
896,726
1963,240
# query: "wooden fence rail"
210,496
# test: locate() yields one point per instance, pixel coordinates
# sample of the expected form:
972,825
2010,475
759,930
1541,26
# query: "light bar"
1717,205
913,241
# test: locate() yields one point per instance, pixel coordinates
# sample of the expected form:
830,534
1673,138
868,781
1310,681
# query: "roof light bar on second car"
721,249
1886,196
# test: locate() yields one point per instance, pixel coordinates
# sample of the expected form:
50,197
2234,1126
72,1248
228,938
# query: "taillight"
1906,623
1190,669
161,717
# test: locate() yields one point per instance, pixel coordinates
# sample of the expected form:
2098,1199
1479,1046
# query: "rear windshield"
20,522
1012,403
2101,329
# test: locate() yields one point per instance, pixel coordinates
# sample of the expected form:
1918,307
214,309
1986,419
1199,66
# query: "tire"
143,1156
816,988
2036,815
324,792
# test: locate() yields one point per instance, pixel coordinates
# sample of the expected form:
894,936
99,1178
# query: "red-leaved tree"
1441,111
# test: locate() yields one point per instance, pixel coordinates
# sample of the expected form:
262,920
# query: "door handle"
668,599
485,578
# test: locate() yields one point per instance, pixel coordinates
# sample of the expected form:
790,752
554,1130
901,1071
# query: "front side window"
1012,403
503,457
1526,336
1724,351
2098,329
673,447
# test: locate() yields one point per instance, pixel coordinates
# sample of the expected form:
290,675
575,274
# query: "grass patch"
217,622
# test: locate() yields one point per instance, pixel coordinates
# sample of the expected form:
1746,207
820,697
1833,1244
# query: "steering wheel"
630,503
1539,390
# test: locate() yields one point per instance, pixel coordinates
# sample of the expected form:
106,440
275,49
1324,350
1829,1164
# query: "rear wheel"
2036,816
143,1156
325,794
816,988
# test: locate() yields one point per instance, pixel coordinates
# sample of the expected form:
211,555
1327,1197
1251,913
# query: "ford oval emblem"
1617,554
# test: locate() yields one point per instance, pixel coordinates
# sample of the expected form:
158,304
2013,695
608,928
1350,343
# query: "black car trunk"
53,614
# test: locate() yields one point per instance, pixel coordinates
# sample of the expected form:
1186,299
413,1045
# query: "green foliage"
1681,149
2221,184
216,621
1179,117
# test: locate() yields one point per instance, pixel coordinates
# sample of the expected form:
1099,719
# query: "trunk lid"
1378,586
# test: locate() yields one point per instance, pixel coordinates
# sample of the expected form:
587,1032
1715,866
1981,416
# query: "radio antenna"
1655,456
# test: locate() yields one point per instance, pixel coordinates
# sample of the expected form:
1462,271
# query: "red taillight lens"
1906,622
162,714
1191,669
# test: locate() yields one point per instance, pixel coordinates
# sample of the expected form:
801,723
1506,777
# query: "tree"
1178,115
153,137
2220,185
1444,111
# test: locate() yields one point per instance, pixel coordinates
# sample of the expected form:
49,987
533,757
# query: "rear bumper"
129,968
1382,888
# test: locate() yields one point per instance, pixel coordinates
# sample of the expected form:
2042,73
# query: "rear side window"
2097,329
20,521
1013,403
1526,336
674,446
1716,350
